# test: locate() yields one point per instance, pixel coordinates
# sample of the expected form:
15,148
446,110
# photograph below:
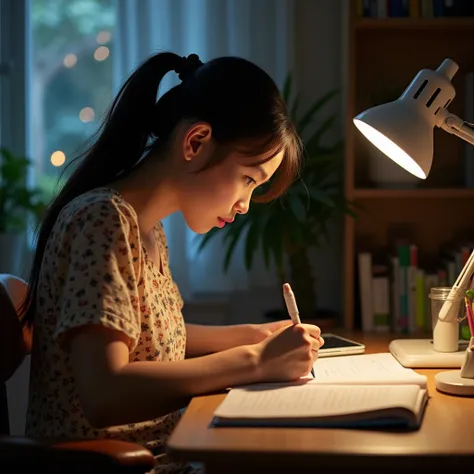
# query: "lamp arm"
453,124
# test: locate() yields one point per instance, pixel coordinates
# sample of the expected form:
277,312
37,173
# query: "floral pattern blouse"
95,270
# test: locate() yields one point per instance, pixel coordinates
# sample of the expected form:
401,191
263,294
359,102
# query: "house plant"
18,202
285,230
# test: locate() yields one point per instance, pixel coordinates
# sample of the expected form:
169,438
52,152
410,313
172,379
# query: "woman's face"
212,198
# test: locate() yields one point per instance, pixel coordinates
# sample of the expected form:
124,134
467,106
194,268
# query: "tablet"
335,345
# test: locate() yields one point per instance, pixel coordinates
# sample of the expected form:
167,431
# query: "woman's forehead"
266,165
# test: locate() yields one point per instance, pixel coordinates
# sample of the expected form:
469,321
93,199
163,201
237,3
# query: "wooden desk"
445,439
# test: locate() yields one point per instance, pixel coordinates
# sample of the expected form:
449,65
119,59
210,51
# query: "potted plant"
17,203
287,229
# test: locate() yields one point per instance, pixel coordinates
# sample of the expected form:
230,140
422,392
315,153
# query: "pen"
292,308
470,319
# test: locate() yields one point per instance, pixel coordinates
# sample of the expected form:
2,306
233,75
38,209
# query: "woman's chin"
201,228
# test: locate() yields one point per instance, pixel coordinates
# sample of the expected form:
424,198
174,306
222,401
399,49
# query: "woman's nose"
242,207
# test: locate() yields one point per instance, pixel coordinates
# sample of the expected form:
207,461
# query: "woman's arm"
201,340
114,391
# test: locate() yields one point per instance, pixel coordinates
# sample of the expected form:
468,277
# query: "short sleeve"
100,270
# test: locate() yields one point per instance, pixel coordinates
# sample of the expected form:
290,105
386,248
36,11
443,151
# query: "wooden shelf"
381,57
408,23
417,193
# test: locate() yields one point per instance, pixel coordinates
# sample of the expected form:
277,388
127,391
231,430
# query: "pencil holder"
445,331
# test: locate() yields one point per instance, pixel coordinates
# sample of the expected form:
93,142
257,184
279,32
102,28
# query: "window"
70,83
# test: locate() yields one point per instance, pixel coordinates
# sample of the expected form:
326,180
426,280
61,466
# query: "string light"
103,37
58,158
87,114
70,60
101,53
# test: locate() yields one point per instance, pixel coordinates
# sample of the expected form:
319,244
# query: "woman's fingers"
313,330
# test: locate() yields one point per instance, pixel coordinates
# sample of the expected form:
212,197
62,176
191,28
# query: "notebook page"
311,400
365,369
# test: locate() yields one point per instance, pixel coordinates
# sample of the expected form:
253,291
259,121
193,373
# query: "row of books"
414,8
394,294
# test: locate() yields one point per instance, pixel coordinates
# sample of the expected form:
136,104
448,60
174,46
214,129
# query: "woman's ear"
197,141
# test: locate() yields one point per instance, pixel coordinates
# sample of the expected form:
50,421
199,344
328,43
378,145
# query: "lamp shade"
403,129
401,133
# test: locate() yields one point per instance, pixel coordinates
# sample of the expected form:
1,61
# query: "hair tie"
188,66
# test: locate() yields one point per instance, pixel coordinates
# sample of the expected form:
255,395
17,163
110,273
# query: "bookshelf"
381,57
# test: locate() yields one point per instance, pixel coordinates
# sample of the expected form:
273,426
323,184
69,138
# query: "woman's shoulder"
99,204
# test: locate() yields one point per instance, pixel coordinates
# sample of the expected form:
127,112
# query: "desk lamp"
403,130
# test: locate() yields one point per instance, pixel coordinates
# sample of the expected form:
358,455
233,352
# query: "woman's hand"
263,330
289,353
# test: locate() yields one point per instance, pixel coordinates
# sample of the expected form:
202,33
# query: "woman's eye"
250,180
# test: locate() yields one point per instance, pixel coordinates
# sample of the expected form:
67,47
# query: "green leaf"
276,248
295,231
349,209
294,109
17,199
266,252
6,154
322,197
314,139
273,244
232,242
204,239
309,115
298,207
252,240
287,88
230,237
235,227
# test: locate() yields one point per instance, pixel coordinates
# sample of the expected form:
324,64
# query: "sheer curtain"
260,31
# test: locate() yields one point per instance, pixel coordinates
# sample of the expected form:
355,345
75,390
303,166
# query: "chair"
21,453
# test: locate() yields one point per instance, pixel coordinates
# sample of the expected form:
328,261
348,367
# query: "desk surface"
447,430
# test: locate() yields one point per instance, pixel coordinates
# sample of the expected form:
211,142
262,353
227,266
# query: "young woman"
112,356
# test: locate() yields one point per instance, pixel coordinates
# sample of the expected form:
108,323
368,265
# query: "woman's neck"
150,191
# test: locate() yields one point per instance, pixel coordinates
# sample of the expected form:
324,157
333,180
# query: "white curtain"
259,30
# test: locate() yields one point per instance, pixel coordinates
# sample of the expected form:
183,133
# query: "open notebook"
359,391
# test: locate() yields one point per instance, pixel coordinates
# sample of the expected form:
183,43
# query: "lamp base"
419,353
451,382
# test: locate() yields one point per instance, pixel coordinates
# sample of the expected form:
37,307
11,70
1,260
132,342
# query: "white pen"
292,308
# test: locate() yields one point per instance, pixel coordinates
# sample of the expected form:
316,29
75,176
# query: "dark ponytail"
121,143
239,100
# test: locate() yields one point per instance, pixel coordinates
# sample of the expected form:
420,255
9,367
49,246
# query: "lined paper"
365,369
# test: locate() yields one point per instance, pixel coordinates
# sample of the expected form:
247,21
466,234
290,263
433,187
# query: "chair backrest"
15,341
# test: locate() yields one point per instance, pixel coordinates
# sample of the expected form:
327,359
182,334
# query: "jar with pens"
467,321
453,315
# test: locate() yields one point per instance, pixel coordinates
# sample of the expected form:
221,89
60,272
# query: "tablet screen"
333,342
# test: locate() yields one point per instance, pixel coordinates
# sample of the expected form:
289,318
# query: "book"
359,391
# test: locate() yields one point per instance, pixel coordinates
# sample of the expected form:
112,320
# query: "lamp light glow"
391,149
